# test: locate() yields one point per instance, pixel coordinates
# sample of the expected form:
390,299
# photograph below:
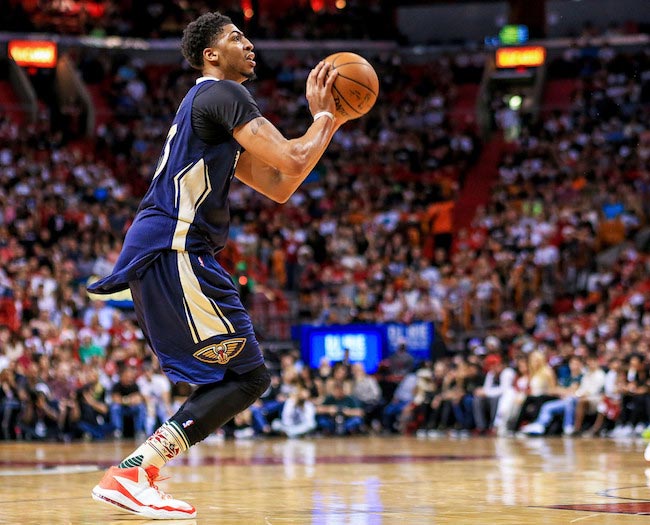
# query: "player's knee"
256,382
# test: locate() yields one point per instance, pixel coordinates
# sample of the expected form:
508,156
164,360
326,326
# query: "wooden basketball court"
355,481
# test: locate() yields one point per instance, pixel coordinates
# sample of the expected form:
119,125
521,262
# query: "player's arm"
276,166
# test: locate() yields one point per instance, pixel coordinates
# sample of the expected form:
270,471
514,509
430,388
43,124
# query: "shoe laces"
154,476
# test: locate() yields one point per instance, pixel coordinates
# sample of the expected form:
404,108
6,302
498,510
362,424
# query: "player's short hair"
200,34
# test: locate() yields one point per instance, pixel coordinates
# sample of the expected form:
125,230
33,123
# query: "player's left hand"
319,89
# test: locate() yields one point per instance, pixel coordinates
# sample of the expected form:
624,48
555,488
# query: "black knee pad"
255,382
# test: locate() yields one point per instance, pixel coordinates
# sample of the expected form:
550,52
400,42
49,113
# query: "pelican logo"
222,352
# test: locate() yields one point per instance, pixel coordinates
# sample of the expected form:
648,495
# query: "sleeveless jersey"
186,206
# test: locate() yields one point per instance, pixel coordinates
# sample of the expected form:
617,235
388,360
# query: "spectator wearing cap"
498,378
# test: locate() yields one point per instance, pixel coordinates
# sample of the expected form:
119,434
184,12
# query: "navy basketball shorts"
191,313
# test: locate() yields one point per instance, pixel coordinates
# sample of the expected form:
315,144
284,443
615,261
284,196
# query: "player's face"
236,57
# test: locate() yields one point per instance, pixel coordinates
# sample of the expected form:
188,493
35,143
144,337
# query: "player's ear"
211,54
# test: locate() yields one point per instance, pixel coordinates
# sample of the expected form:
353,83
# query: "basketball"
356,88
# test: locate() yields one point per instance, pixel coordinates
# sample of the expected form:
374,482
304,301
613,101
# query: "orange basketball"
356,88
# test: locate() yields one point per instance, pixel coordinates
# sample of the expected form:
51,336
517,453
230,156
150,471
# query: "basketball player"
185,302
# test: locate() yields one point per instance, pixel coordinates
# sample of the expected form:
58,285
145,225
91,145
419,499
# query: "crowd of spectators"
551,275
276,20
359,20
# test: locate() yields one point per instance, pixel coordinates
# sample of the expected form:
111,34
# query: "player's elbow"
295,163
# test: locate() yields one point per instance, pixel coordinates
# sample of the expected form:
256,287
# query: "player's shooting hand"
319,89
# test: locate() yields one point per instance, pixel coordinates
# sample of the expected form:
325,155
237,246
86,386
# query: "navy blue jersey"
186,206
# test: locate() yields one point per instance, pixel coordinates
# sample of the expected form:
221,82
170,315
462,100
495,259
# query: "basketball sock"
162,446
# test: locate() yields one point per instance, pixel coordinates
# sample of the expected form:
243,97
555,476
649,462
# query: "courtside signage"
33,53
527,56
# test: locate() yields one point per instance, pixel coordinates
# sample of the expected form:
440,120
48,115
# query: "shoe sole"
112,497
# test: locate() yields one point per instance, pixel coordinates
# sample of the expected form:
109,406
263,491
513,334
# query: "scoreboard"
513,80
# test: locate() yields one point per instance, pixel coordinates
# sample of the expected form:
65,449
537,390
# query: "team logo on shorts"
222,352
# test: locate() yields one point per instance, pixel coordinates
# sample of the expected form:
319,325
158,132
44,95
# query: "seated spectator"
403,395
366,389
39,419
401,362
156,390
634,395
498,378
394,369
443,379
63,388
269,405
588,391
340,375
412,416
93,411
542,387
339,413
243,425
307,377
127,401
10,405
609,407
512,399
298,415
469,378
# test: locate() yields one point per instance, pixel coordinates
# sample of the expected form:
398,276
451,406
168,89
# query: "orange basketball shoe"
134,490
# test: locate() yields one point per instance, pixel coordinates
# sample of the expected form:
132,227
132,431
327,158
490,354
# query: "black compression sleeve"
211,406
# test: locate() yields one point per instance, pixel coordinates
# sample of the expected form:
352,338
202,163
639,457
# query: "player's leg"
131,485
192,317
204,411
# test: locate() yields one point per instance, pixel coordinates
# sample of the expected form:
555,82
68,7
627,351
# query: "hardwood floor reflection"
360,481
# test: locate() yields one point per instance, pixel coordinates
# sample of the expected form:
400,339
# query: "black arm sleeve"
219,108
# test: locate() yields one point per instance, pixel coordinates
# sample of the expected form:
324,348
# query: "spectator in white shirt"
498,379
298,415
156,390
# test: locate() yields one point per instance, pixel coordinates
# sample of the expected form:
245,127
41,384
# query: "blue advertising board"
367,343
418,338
